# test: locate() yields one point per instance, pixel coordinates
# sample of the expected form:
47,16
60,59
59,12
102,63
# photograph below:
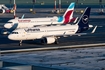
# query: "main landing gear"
56,41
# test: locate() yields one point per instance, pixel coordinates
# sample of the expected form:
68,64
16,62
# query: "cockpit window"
10,22
14,33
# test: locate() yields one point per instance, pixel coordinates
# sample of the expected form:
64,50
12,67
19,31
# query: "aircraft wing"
66,35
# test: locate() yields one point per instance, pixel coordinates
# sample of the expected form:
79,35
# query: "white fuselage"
40,32
31,22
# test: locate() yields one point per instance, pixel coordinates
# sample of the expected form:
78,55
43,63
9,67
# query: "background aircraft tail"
84,20
68,14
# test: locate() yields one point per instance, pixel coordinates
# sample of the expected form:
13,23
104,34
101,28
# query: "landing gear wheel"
56,41
20,44
44,41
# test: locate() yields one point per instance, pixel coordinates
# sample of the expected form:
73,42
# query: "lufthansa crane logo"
85,19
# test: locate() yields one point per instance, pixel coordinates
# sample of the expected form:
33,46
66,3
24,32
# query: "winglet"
75,20
94,29
22,16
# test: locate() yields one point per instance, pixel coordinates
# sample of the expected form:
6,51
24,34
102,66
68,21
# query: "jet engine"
2,11
48,40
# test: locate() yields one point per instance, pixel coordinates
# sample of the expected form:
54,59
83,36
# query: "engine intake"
49,40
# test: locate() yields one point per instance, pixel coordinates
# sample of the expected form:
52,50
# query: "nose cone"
8,25
11,37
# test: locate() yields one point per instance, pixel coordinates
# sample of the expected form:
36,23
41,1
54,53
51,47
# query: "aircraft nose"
8,25
10,37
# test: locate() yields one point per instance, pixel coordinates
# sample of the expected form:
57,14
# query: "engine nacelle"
2,11
49,40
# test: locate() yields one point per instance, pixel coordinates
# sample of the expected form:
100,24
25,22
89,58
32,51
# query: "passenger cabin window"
14,32
10,22
32,30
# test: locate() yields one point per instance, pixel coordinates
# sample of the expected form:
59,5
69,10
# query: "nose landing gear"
20,43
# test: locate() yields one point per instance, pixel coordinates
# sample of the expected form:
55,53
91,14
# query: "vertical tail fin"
69,10
68,14
84,20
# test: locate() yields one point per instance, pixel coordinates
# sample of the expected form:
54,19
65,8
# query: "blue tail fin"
84,20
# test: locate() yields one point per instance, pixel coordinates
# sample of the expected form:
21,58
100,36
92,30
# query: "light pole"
101,10
10,3
59,4
100,3
34,1
77,3
54,4
14,8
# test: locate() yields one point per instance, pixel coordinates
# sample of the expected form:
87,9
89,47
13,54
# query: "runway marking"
51,48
